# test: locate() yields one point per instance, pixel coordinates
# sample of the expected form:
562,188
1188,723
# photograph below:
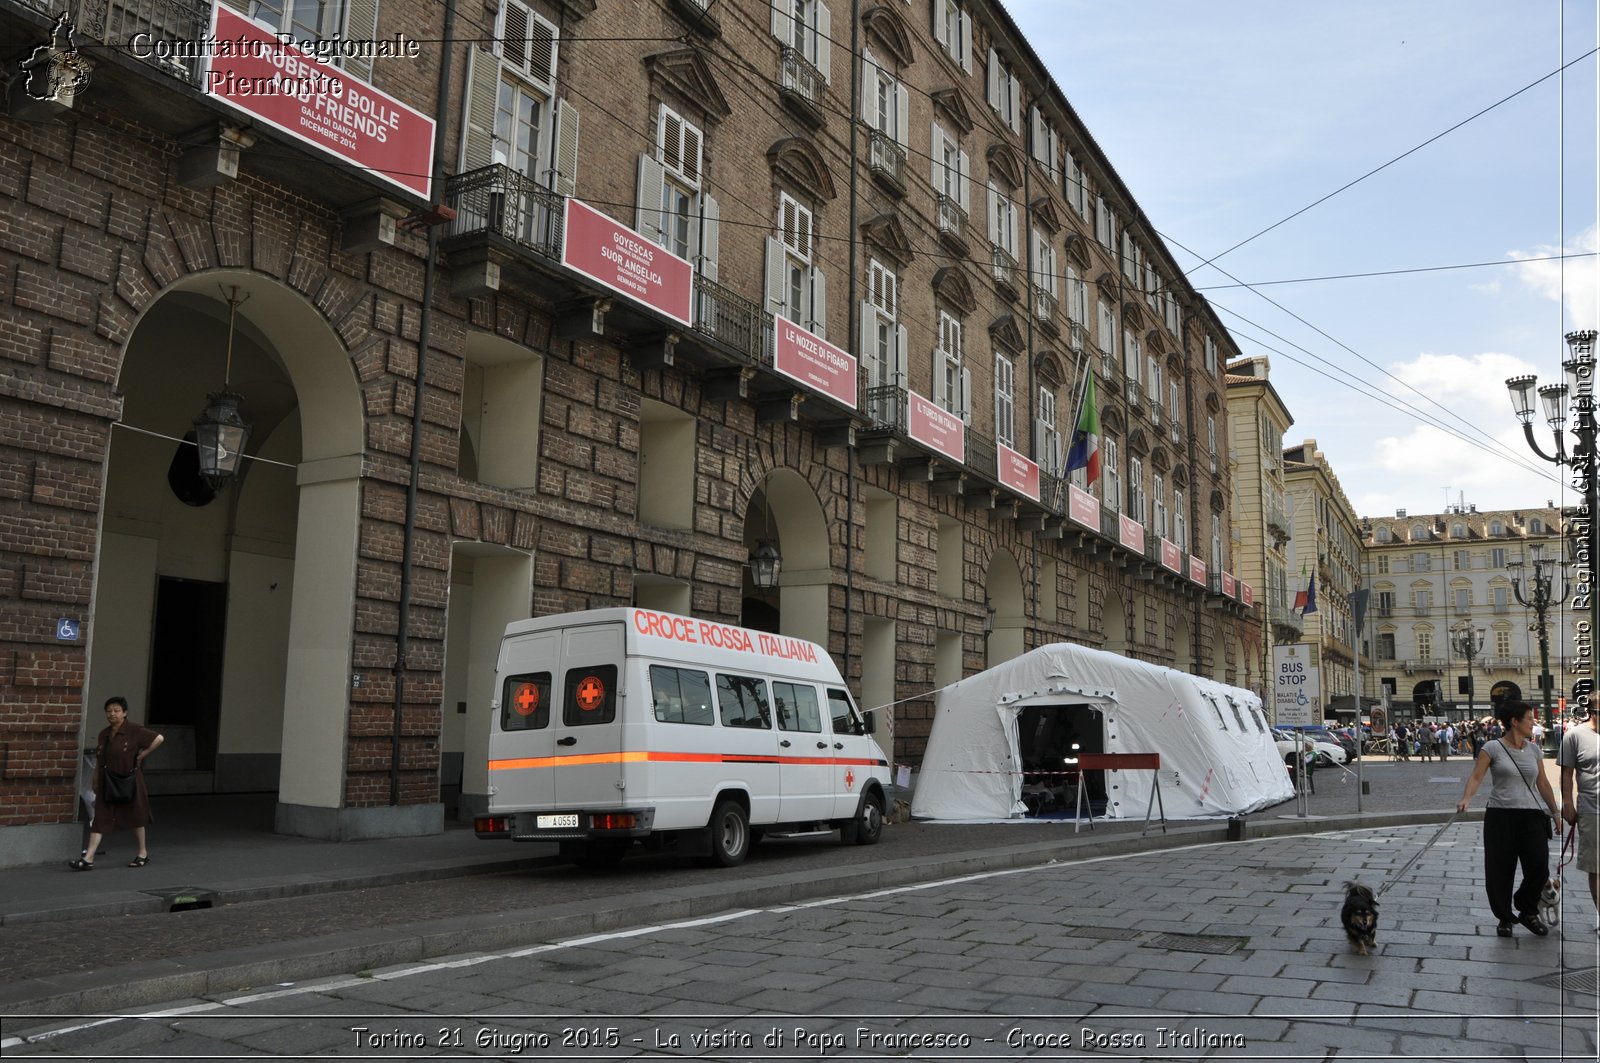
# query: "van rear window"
525,702
591,696
742,700
798,709
681,695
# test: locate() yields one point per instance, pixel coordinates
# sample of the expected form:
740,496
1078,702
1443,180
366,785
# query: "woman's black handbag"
118,789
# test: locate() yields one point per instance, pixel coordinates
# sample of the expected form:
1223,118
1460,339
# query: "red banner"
1083,507
813,361
937,428
1171,556
1130,533
1017,473
1227,585
609,253
1197,570
277,83
1247,594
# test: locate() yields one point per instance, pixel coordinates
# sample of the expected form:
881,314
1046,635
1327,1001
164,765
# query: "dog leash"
1397,876
1569,847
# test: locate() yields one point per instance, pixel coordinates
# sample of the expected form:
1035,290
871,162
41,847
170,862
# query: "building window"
1046,439
1005,402
1158,506
1502,643
807,27
1074,185
1382,536
1463,599
951,169
1110,471
795,288
1386,646
1211,437
1385,603
1535,526
1425,645
1421,563
1216,542
1105,224
1211,355
1005,92
1077,298
1002,222
1180,523
883,338
952,28
1502,600
1045,142
673,210
1497,557
1383,565
1422,600
1462,560
1137,504
950,380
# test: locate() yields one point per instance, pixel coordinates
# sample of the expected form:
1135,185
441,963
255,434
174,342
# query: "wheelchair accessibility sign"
68,630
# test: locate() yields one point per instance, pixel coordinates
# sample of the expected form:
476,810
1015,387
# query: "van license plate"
547,822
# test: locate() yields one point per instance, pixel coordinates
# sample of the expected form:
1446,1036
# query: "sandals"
139,861
1503,930
81,864
1534,924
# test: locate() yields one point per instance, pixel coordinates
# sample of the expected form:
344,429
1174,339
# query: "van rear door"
521,739
588,731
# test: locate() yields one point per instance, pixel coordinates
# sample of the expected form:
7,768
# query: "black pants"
1512,836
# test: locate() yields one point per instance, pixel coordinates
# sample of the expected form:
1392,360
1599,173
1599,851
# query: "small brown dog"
1550,903
1360,916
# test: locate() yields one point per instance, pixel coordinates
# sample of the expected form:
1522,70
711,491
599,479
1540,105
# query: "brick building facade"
573,443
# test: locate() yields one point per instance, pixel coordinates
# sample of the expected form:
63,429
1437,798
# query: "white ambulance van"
615,726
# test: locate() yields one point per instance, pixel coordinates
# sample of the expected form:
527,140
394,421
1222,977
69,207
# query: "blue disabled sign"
68,630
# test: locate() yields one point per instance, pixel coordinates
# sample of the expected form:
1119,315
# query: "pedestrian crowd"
1441,741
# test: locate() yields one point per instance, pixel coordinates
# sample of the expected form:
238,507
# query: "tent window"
1237,715
1221,723
1260,721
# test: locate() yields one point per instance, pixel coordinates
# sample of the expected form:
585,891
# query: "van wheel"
867,826
730,833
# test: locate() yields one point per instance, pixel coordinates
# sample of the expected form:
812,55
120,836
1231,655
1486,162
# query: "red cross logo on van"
849,779
591,693
526,700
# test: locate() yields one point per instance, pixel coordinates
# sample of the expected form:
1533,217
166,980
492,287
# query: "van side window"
681,695
525,702
845,719
742,700
798,709
591,696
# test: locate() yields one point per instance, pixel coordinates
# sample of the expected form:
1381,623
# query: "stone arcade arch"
1003,590
273,556
784,509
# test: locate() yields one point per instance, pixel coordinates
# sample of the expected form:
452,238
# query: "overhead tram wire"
1346,347
1411,151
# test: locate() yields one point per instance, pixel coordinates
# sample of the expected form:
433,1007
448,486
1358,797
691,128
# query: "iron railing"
497,200
118,22
951,219
798,76
982,456
1044,305
885,407
1155,411
887,159
729,318
1005,265
1077,337
1133,390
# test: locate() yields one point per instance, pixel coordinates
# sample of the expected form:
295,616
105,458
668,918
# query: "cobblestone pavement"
1229,950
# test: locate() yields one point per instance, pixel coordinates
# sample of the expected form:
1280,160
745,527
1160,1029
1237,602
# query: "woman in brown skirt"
122,747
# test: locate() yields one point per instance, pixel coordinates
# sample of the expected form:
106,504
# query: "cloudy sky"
1227,117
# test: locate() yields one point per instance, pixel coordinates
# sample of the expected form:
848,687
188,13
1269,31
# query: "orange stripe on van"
638,756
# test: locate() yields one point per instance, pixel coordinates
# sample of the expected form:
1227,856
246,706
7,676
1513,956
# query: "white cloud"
1578,279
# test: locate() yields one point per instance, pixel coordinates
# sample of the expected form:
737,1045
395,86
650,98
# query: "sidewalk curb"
226,972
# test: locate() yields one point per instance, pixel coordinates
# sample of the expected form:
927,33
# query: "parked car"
1327,754
1338,738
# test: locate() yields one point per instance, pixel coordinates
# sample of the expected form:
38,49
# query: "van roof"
710,643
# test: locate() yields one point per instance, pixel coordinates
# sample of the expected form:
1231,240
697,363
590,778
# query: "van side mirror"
869,722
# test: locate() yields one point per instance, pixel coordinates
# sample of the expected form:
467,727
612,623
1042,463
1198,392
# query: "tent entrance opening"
1050,738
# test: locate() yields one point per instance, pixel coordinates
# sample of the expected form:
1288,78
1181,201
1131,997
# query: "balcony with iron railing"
1108,367
886,161
800,87
498,202
1287,625
1005,267
1155,411
1045,306
1278,522
1424,664
1077,337
952,223
982,456
1132,387
731,320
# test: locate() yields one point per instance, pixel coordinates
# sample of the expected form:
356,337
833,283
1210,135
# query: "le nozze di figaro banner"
249,68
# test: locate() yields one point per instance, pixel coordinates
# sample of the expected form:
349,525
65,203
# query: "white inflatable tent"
1217,753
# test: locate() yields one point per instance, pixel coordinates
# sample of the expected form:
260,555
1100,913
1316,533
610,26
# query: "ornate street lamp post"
1576,397
1468,642
1540,601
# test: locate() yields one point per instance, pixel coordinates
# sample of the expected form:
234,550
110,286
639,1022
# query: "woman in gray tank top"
1515,828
